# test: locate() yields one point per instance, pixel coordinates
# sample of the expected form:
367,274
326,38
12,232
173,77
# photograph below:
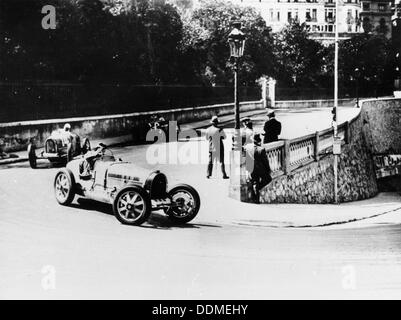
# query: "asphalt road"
81,251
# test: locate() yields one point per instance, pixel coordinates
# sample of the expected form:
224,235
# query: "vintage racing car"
58,149
134,192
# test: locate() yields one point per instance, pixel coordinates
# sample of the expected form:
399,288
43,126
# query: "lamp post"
334,111
357,76
236,40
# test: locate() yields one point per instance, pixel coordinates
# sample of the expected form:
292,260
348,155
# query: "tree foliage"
160,42
301,60
372,56
206,48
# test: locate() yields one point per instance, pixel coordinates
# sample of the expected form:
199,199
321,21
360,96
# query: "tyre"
186,203
64,187
32,156
132,206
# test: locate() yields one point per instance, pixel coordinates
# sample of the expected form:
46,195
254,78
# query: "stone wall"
382,125
293,104
314,183
17,135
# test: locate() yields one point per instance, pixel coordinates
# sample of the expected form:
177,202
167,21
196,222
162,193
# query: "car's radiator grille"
51,146
158,186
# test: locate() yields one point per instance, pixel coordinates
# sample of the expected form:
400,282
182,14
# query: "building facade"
320,15
376,16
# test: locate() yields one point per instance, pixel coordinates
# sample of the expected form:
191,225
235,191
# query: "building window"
365,6
314,15
289,16
308,17
278,15
382,7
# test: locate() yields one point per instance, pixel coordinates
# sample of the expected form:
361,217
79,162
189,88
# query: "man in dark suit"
258,167
215,136
272,128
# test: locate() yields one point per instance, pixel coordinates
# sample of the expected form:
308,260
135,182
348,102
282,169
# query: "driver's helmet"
67,127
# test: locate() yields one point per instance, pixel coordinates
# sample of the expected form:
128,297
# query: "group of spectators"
257,163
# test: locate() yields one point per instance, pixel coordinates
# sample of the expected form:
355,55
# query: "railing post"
317,146
286,158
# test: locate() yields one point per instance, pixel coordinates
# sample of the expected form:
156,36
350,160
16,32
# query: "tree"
133,41
300,59
372,55
206,49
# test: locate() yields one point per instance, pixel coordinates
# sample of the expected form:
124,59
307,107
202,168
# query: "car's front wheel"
185,203
64,187
132,206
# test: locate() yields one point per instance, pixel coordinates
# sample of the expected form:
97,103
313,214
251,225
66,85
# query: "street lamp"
236,40
357,76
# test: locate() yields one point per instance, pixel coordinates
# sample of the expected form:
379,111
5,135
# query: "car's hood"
128,171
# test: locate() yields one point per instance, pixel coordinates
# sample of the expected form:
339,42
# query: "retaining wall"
17,135
375,130
314,183
292,104
382,125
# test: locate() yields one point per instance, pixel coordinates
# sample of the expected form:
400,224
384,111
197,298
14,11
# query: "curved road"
81,251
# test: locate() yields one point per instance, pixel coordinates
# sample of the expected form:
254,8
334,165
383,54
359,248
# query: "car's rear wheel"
132,206
32,156
185,204
64,187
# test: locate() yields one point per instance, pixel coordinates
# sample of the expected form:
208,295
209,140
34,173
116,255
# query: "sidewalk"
218,207
317,215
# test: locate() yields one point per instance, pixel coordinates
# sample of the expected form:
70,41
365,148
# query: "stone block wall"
16,136
314,182
382,125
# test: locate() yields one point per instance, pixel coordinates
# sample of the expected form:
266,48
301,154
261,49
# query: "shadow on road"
157,220
44,164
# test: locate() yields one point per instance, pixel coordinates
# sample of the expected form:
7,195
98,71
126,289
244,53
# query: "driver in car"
87,165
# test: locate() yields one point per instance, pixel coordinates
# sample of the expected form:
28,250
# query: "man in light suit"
215,136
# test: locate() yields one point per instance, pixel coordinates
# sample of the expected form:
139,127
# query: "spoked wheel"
185,203
32,156
132,206
64,187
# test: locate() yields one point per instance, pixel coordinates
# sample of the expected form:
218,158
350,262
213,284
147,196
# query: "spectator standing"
272,128
247,131
257,166
215,136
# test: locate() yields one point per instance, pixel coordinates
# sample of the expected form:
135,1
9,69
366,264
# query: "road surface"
81,251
